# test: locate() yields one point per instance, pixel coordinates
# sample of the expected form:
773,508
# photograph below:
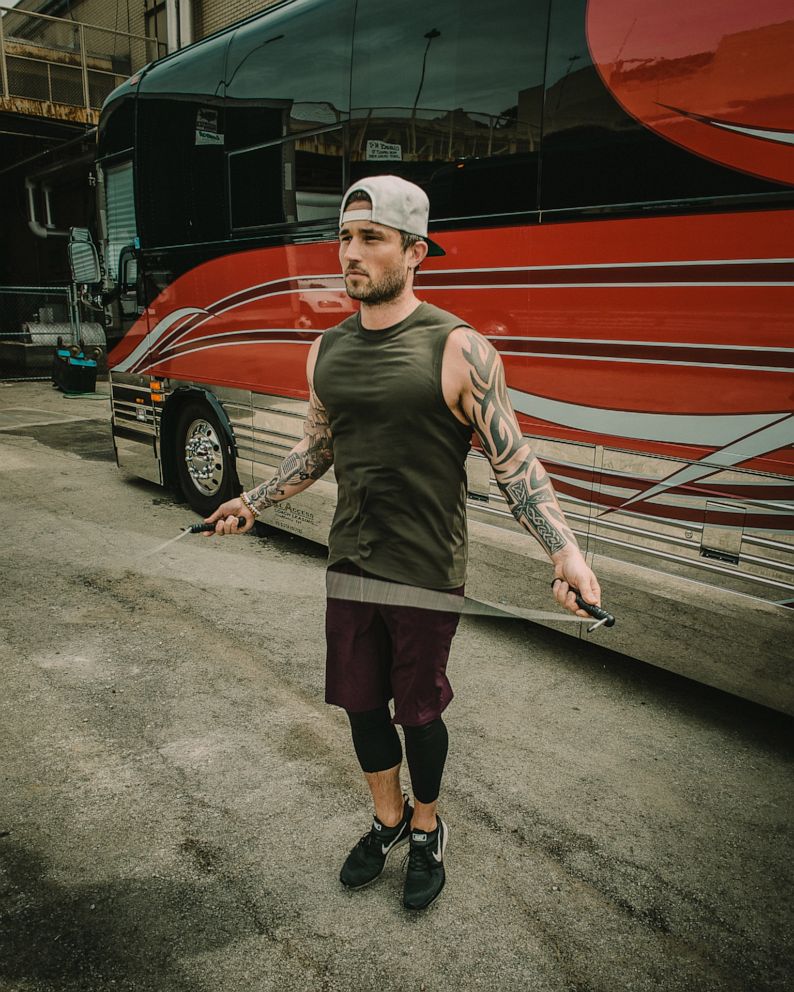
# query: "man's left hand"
572,574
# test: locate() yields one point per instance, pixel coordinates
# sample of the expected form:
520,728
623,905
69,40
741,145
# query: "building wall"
210,16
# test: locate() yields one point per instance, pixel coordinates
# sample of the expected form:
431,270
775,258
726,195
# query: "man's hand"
225,519
571,571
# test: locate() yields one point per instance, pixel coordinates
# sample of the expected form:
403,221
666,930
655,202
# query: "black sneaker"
425,877
368,858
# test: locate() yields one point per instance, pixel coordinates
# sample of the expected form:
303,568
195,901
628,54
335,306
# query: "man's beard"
375,293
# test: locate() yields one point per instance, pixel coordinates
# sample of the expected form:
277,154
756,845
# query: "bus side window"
287,182
287,101
180,139
449,95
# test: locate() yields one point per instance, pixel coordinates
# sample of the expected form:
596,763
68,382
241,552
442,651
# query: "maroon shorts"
377,653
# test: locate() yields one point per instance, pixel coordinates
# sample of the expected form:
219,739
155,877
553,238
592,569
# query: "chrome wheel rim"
204,457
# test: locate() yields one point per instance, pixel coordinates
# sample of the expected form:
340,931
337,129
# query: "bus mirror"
84,262
128,270
81,234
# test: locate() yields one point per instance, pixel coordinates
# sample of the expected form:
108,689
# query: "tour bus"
613,183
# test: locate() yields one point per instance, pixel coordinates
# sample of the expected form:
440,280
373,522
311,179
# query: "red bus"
613,182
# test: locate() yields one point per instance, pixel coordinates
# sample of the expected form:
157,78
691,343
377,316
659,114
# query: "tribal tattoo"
525,505
493,415
521,478
309,460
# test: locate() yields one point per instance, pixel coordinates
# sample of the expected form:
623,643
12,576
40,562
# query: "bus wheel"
204,463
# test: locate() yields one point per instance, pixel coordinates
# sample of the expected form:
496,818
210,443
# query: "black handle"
206,528
595,611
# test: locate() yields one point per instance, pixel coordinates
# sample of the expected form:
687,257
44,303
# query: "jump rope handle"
206,528
595,611
604,618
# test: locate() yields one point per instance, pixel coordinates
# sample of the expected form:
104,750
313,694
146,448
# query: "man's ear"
418,253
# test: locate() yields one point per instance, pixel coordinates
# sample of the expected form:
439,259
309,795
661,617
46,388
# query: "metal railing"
47,61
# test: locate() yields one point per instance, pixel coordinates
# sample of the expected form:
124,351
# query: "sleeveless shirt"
399,451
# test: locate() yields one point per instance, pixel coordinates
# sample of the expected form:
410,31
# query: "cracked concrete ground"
176,799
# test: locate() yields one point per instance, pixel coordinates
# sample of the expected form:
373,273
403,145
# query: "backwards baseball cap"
395,203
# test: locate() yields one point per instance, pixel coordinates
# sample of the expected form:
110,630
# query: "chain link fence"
33,320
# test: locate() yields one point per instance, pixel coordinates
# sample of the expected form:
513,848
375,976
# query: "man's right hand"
225,519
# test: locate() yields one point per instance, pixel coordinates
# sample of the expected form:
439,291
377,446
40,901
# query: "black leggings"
378,747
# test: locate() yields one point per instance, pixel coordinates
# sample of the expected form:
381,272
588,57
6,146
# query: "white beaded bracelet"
248,504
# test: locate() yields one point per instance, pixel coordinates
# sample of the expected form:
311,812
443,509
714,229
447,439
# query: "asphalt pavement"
176,799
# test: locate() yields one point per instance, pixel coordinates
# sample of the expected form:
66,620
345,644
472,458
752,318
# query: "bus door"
121,247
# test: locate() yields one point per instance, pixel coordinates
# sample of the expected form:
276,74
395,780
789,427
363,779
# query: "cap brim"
433,250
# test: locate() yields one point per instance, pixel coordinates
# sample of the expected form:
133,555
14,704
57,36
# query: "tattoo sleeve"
519,475
310,459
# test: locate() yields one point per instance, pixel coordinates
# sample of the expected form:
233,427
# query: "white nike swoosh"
439,854
385,848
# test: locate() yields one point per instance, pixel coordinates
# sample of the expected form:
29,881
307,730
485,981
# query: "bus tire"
204,459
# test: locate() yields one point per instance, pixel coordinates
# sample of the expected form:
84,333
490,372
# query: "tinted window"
289,182
593,151
117,126
448,93
180,140
288,77
290,70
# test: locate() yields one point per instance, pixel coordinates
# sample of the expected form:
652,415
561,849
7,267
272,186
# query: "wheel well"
168,424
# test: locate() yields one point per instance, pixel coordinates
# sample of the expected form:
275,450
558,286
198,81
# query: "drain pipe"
185,23
41,230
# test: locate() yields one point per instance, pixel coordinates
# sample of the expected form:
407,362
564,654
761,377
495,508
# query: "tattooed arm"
474,387
310,459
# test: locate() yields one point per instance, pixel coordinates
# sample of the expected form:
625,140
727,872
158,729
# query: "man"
394,394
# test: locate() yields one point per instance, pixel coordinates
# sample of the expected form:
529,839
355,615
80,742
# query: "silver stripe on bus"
713,430
782,137
707,346
643,361
615,265
146,342
272,282
247,330
209,347
758,442
604,285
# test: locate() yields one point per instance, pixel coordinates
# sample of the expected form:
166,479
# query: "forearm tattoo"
307,462
548,525
519,475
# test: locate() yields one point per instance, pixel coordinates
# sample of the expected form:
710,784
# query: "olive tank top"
399,451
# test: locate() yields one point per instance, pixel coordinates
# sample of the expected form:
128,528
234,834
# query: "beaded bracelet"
248,504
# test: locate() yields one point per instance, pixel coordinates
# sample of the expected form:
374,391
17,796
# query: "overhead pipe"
40,230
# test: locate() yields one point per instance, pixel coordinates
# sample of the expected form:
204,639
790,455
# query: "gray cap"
395,203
